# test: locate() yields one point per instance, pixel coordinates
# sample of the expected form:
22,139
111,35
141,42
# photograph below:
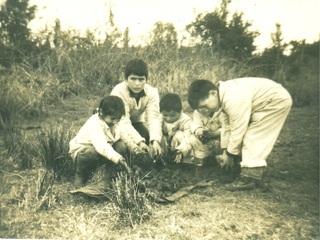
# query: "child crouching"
100,140
212,131
175,128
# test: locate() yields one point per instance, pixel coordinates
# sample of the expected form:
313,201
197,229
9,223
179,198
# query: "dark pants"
142,130
88,160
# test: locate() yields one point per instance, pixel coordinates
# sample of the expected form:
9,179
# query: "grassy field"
287,209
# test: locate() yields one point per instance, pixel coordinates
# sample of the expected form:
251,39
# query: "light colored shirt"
145,110
218,122
242,97
183,124
97,133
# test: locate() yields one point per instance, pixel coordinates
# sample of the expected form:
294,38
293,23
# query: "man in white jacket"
257,109
142,117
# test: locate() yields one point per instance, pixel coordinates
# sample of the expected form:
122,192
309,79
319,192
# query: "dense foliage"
40,69
231,38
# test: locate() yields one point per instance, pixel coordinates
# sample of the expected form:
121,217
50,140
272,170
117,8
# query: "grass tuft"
52,148
133,207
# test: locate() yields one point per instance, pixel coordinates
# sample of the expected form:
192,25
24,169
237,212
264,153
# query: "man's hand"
225,161
156,148
178,157
124,165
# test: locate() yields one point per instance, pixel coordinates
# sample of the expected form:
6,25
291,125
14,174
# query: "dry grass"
289,210
35,204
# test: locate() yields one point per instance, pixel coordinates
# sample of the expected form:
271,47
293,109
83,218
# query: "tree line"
221,33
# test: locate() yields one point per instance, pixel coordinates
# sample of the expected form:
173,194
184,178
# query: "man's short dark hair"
171,102
199,90
137,67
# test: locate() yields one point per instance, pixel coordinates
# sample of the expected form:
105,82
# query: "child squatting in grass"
257,109
142,116
101,140
178,129
212,130
175,128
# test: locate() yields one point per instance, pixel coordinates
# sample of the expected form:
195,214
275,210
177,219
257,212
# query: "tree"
112,33
225,37
277,42
15,16
273,61
164,35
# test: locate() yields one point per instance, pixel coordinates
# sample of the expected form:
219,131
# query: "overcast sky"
299,19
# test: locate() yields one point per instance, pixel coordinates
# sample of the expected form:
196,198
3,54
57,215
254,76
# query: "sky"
299,19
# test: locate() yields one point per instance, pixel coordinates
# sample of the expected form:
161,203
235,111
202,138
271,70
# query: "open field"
287,209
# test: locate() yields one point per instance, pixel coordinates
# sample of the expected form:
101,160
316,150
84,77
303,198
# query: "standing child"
142,105
101,140
175,127
257,109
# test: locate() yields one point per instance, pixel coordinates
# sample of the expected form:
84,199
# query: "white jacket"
97,133
146,110
242,97
183,124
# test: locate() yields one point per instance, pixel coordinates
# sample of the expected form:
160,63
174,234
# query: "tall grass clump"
9,103
21,96
52,145
38,193
133,207
18,148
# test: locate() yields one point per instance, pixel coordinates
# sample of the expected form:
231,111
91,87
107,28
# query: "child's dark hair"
198,90
112,106
137,67
171,102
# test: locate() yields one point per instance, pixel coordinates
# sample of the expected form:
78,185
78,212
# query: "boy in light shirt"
142,116
257,109
213,132
175,128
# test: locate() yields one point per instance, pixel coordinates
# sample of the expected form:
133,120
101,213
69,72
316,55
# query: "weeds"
38,195
31,192
17,145
52,148
133,207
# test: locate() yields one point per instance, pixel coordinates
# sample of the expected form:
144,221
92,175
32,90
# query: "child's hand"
178,157
225,161
206,136
199,132
137,150
164,130
156,148
144,146
123,163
